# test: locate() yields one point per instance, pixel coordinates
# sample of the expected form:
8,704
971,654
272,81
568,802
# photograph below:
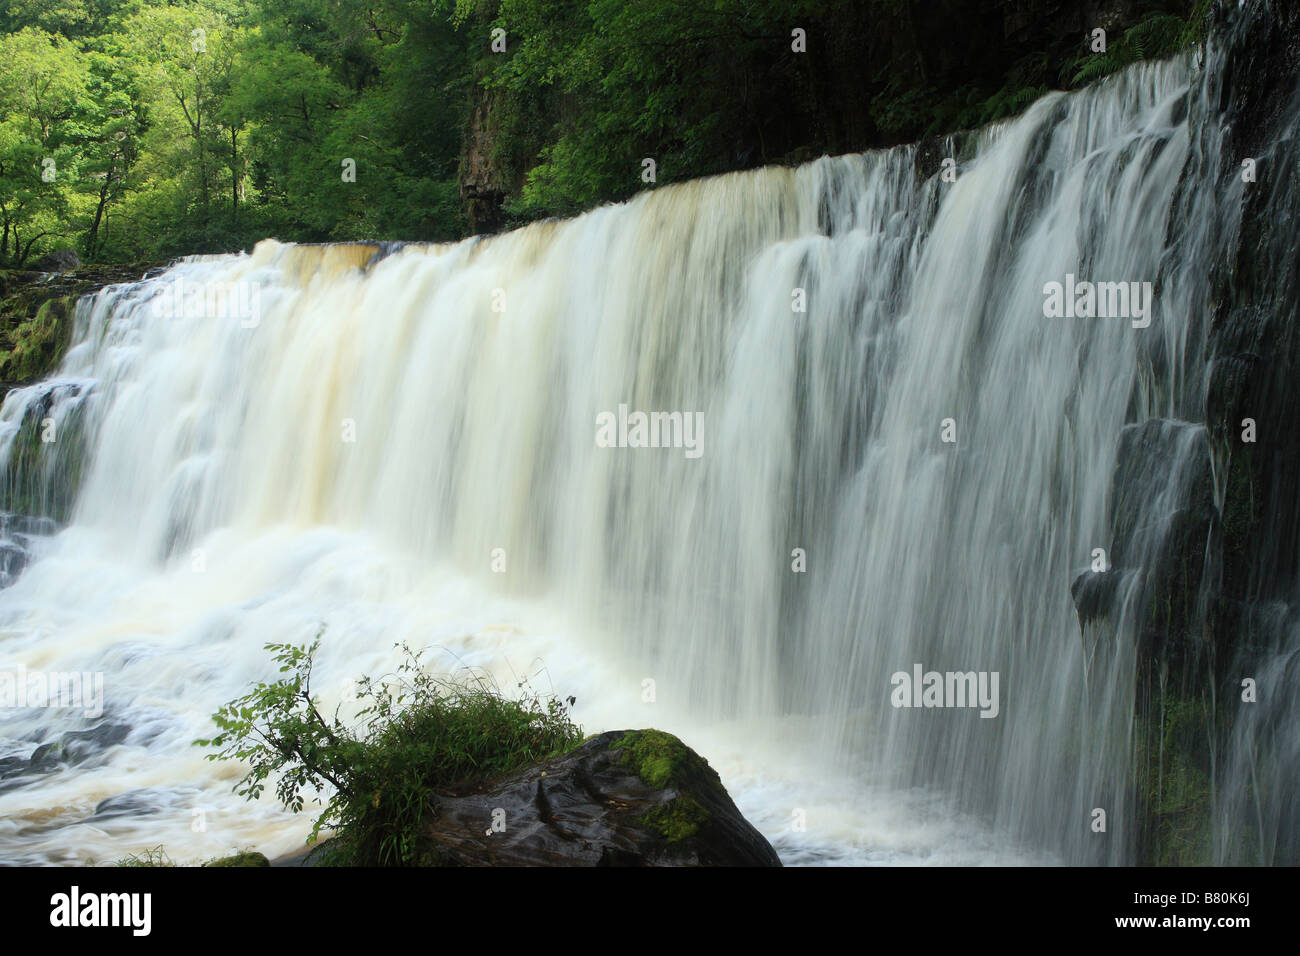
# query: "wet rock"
44,759
77,746
1094,594
18,533
624,798
1162,518
26,525
13,559
1162,483
133,803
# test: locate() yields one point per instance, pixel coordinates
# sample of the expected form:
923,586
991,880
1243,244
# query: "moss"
661,760
1174,785
678,819
42,479
248,858
36,313
36,344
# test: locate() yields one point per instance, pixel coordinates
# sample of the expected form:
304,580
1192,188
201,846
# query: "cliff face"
1254,348
483,184
1217,642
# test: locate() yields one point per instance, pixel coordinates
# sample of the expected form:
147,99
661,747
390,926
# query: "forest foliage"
135,130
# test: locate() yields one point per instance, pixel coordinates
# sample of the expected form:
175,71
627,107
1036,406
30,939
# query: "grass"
155,856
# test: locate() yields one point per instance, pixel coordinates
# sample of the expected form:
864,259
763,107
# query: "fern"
1158,36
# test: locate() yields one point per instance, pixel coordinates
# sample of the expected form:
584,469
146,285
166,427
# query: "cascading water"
400,444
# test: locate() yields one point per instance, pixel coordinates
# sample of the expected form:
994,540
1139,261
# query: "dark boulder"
623,798
77,746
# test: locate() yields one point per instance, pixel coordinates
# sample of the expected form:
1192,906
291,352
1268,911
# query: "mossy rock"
662,761
36,316
679,819
623,798
36,346
249,858
42,477
1173,778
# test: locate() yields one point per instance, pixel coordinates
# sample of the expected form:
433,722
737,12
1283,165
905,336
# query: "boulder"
623,798
61,260
72,748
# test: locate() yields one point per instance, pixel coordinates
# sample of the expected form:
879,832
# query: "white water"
474,430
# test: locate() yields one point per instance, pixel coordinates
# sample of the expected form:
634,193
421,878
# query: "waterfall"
900,460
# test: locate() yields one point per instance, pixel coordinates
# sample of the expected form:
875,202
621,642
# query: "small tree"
417,734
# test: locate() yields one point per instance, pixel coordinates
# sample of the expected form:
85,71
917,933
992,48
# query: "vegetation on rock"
417,735
661,761
37,312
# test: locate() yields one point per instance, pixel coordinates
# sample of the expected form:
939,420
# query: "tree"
189,56
43,80
111,123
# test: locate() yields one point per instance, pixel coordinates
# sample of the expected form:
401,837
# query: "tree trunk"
234,175
92,237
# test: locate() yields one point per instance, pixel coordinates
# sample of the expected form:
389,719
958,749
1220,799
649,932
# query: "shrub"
416,735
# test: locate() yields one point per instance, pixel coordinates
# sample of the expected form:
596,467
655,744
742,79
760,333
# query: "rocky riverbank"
37,308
